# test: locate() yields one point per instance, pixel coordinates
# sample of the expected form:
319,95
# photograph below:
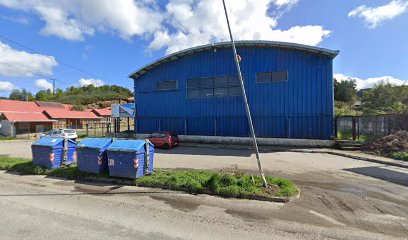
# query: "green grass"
399,155
6,138
223,184
348,135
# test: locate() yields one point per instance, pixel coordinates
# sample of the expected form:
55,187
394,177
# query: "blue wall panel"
301,107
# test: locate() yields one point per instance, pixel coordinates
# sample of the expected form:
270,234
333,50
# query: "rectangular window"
279,76
219,86
267,77
166,85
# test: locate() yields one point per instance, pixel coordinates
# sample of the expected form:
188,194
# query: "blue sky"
110,42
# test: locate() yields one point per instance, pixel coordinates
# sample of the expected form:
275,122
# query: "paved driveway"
362,199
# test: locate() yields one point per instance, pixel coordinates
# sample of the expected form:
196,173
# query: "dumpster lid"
50,142
128,145
94,142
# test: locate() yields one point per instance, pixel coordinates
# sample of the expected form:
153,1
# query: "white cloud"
74,20
15,63
374,16
250,20
43,84
370,82
6,86
85,82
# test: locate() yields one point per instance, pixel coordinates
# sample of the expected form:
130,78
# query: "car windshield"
69,131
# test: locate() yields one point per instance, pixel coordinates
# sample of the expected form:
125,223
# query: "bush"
399,155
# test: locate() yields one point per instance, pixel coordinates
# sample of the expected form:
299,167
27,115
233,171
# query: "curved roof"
273,44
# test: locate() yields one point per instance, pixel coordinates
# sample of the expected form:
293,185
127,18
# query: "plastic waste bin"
49,152
92,156
128,158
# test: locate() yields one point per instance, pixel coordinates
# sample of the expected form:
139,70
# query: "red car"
164,140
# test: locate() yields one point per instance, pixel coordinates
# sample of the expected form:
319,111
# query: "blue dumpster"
128,158
92,156
49,152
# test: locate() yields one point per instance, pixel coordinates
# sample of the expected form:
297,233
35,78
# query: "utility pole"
53,86
248,112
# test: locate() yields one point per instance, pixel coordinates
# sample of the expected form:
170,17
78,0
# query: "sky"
82,42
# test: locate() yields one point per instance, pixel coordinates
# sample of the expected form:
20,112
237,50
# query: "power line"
52,58
163,9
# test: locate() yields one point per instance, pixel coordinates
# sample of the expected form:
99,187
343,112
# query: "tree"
386,98
15,94
41,96
345,91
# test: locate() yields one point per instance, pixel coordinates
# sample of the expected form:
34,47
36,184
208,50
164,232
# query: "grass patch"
223,184
6,138
399,155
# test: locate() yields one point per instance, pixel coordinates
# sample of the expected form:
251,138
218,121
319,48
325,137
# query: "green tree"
41,95
345,91
15,94
385,98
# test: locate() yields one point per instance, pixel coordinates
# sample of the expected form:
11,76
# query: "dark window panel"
193,82
234,91
166,85
206,92
233,80
221,81
279,76
206,82
220,92
262,77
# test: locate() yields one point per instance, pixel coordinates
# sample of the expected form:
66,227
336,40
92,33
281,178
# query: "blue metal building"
196,91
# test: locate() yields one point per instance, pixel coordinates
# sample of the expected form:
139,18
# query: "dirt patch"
397,142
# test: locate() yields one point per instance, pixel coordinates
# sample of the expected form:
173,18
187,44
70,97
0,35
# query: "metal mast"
248,112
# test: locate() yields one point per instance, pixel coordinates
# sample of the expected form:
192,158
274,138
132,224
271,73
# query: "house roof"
26,117
245,43
49,104
57,113
104,112
18,106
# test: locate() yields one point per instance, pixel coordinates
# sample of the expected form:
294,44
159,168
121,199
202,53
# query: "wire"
52,58
163,9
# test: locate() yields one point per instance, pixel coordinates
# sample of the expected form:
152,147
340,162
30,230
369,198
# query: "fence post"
185,126
87,129
353,124
288,128
215,126
336,119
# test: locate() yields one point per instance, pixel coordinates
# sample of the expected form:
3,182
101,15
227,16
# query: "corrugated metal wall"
301,107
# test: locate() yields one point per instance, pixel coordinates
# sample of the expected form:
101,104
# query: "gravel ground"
341,198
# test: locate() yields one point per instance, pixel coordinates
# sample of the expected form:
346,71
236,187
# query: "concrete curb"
395,164
248,141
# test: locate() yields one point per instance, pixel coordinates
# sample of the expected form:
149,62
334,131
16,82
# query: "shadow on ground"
383,174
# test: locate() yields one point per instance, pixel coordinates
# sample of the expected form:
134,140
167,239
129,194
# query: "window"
166,85
266,77
219,86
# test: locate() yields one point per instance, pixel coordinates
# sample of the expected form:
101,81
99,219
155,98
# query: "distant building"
197,91
21,117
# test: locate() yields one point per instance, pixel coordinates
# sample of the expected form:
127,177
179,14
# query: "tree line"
77,96
383,98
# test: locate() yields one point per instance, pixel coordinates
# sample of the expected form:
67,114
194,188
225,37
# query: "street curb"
395,164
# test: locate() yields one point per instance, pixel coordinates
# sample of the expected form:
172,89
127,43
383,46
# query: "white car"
62,132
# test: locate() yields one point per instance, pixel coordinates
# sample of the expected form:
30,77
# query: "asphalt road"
341,199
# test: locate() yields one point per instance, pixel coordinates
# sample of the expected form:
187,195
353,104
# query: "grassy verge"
223,184
6,138
399,155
